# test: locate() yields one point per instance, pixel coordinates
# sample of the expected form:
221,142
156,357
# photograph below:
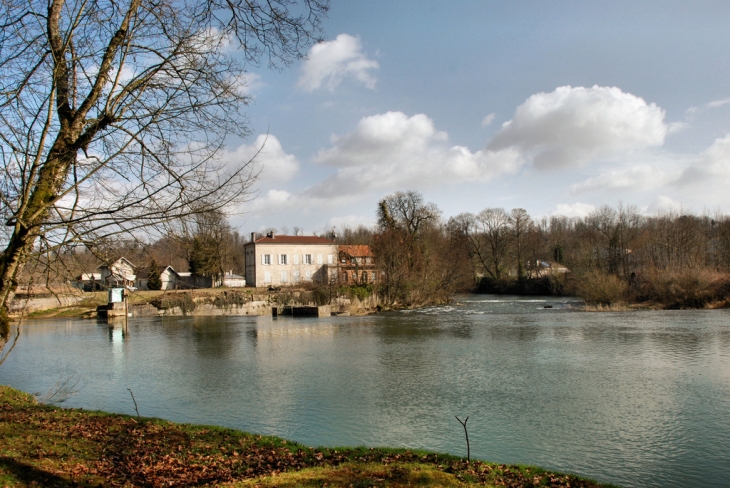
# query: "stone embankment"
210,302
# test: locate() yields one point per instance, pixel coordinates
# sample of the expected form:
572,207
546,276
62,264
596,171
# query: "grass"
42,445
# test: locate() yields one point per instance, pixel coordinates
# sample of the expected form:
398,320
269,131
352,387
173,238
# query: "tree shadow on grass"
28,474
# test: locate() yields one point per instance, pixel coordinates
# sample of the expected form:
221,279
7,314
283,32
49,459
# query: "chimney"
253,236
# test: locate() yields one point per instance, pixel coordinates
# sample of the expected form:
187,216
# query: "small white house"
169,278
231,280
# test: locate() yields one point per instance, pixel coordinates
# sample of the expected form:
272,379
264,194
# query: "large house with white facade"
290,260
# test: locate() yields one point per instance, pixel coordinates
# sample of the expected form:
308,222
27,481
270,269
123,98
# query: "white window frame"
266,259
296,276
295,259
307,259
319,259
267,277
282,259
284,276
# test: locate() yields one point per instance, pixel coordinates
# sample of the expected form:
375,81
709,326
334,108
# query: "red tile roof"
293,240
359,250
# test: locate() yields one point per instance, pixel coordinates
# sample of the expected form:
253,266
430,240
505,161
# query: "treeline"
203,244
613,255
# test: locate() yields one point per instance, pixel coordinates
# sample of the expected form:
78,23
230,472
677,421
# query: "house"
89,282
355,265
169,278
289,260
119,274
541,269
231,280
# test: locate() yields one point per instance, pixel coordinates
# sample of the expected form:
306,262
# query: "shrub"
170,301
600,288
229,299
688,288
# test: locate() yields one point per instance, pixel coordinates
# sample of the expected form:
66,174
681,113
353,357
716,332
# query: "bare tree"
112,114
408,211
520,225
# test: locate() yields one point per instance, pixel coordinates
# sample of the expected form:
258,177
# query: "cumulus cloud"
330,62
571,126
638,178
663,204
712,167
393,150
272,162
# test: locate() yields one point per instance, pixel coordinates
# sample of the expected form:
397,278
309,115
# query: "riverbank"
73,303
42,445
688,289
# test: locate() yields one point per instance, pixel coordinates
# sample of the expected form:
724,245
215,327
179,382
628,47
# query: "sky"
557,107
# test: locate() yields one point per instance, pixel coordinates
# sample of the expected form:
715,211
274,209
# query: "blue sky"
553,106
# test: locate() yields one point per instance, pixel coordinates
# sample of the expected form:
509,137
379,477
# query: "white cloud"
488,119
328,63
663,204
569,127
391,150
574,209
638,178
718,103
711,169
351,221
272,161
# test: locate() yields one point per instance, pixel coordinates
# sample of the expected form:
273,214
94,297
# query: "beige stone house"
290,260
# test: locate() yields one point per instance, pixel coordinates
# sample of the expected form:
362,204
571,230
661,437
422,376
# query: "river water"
631,398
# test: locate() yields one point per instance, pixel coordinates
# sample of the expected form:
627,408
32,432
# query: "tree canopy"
113,114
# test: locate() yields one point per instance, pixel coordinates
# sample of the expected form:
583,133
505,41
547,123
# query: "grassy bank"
42,445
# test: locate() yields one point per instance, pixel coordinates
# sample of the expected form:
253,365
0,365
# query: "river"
632,398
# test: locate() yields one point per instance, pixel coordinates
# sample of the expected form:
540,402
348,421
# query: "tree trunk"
12,261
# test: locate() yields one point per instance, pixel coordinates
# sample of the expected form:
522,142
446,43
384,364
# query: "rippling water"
632,398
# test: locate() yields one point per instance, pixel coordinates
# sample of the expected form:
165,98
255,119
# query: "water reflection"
630,398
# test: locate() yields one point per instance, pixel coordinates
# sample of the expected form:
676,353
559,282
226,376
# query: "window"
282,258
266,259
295,259
319,259
267,276
295,276
308,275
285,277
307,259
372,277
344,276
330,259
364,276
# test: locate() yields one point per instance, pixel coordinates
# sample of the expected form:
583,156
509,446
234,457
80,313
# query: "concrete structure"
290,260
